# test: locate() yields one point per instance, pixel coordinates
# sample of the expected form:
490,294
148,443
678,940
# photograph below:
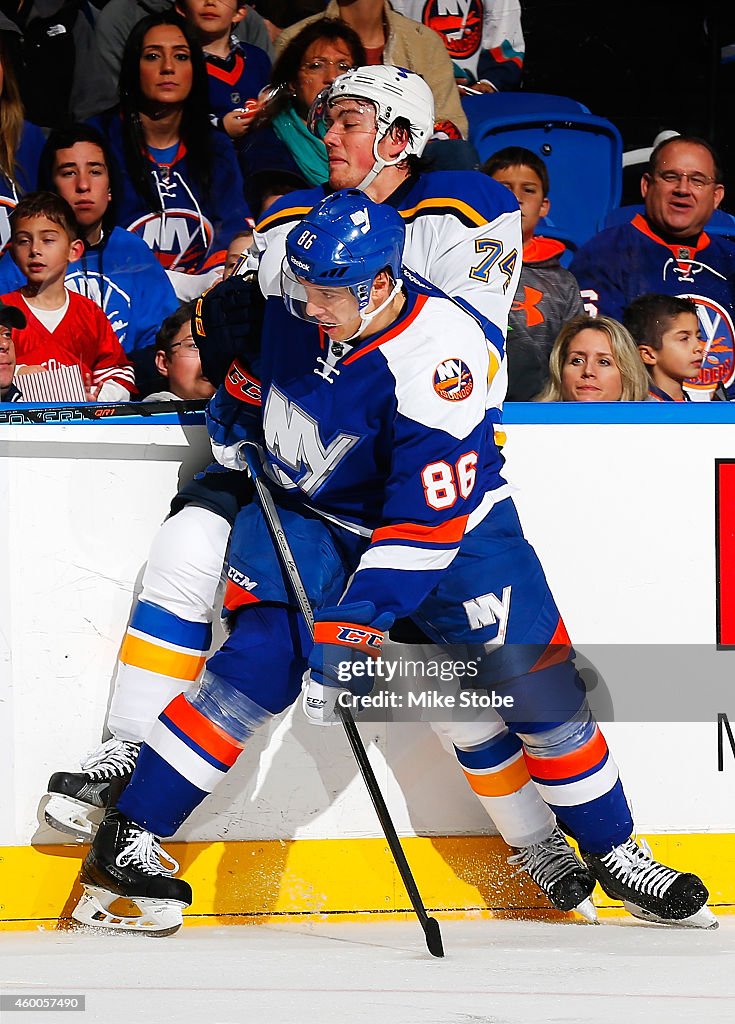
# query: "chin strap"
379,163
367,318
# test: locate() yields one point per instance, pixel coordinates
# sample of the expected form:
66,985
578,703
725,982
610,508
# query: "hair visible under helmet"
397,95
344,242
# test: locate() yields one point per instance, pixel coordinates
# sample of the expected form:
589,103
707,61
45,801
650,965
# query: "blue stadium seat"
583,152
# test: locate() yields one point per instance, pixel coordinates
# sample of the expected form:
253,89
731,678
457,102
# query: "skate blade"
586,909
68,815
157,917
703,918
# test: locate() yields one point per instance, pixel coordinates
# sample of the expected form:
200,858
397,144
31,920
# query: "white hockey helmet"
395,93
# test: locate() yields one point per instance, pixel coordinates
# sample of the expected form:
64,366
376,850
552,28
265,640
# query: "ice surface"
495,972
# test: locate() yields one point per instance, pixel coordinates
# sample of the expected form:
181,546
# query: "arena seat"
583,152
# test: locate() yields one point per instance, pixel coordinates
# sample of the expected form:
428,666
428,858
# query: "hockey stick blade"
252,453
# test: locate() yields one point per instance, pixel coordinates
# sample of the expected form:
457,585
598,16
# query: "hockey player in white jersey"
391,495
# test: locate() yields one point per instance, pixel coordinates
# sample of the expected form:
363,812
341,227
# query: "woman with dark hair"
20,141
279,148
181,190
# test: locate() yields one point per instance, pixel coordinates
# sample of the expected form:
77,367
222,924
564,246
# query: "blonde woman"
594,359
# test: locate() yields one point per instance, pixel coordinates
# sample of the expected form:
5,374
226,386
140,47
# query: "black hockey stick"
253,458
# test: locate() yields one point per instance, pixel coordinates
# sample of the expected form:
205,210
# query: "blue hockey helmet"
343,243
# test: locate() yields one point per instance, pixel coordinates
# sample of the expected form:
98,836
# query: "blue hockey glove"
233,416
347,642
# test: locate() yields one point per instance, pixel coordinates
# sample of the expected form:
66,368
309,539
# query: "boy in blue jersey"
389,484
236,71
666,331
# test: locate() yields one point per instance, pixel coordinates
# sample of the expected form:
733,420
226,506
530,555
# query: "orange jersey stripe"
503,783
450,532
206,734
236,597
149,656
569,765
557,649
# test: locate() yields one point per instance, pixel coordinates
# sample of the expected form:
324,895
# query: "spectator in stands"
115,23
63,328
182,190
55,71
389,38
177,360
10,317
666,330
279,145
279,14
484,39
594,359
547,294
20,141
667,250
239,247
237,71
117,270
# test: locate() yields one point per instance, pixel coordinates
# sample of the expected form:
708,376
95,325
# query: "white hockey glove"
229,455
320,701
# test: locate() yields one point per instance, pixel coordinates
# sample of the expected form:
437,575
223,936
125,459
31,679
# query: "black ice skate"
105,774
125,862
559,873
649,890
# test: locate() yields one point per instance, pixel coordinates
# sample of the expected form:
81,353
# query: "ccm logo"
350,635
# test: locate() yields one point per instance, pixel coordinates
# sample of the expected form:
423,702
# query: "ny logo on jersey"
292,436
718,333
459,22
361,220
485,611
180,238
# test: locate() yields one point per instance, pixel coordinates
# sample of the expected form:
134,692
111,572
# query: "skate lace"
143,851
546,862
115,757
634,865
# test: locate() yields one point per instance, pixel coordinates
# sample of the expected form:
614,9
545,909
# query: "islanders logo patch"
718,335
452,380
458,22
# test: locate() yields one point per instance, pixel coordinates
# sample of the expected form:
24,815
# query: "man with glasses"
667,250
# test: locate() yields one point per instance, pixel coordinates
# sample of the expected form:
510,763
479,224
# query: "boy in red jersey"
63,328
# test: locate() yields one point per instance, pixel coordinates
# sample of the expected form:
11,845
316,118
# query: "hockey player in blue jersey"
389,485
463,233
